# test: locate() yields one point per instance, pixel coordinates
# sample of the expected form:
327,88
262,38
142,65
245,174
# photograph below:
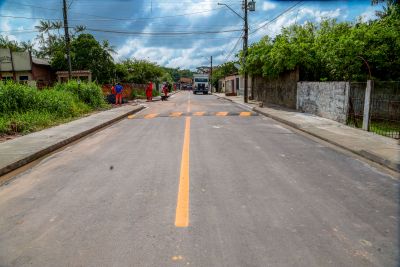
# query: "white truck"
200,83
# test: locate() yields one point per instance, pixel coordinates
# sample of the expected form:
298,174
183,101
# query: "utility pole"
67,44
211,73
247,6
245,40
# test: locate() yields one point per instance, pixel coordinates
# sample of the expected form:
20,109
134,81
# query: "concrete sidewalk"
22,150
380,149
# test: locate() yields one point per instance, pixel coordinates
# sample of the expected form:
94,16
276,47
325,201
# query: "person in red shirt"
149,92
165,92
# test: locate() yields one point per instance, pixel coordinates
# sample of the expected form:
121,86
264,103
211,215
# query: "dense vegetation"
25,109
331,50
142,71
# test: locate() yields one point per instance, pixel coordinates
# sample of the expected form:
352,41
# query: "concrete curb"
36,155
248,107
363,153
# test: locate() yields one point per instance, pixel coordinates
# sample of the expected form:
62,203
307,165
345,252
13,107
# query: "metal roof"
40,61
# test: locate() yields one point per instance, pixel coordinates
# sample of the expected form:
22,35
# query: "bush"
155,93
19,98
27,122
24,109
138,94
88,92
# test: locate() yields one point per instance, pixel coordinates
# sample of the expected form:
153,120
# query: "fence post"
367,105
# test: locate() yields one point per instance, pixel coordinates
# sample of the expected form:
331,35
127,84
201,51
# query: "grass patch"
386,128
25,109
138,94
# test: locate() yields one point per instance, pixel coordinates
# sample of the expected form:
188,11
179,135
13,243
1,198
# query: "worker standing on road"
118,95
149,92
165,91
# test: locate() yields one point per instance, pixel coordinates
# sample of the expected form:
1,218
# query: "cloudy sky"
174,33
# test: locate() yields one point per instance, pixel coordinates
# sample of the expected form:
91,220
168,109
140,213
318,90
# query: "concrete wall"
241,85
325,99
280,91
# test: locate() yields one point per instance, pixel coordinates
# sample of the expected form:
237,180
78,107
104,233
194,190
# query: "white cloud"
267,5
189,6
319,15
368,14
296,16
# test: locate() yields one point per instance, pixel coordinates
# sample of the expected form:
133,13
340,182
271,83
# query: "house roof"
40,61
74,72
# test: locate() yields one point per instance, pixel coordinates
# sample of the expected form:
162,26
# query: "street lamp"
247,6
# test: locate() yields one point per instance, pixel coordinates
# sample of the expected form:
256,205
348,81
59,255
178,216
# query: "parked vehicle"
200,82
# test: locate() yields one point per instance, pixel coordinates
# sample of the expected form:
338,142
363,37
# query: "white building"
234,84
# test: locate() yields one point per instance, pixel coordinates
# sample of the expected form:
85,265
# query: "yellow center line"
150,116
222,113
188,107
245,114
199,113
182,206
175,114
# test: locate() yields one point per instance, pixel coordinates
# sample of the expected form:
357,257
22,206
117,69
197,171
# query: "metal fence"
384,107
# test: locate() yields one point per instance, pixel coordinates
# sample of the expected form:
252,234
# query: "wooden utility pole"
245,41
67,44
211,73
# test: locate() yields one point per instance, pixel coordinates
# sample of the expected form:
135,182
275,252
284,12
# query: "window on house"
23,78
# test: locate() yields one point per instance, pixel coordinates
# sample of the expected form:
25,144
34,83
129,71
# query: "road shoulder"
379,149
23,150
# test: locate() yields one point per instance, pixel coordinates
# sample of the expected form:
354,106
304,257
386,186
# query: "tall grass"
89,93
25,109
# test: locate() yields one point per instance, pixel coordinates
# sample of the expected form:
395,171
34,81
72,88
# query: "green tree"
5,42
139,71
51,39
87,54
331,50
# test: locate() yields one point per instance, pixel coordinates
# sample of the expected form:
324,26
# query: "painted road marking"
196,114
189,107
182,205
245,114
223,113
175,114
150,116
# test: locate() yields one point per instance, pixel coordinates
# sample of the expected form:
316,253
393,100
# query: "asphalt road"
251,192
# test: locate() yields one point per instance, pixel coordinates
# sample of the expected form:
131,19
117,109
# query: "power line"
161,33
112,19
168,37
233,49
19,31
275,18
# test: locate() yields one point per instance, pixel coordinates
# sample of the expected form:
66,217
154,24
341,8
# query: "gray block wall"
280,91
325,99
